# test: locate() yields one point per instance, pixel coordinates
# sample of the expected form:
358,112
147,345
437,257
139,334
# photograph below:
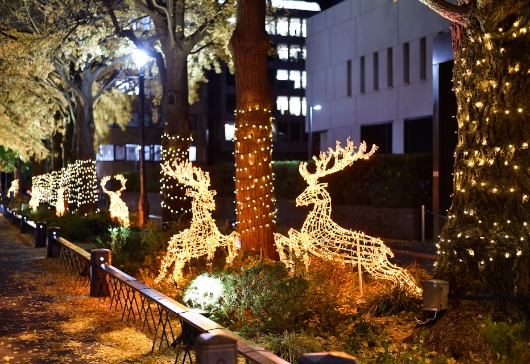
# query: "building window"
157,153
406,63
105,153
119,152
363,88
295,53
295,132
147,152
281,132
418,135
291,79
293,105
423,58
304,28
380,135
295,27
230,131
193,153
270,26
131,152
283,52
282,27
376,71
390,67
348,78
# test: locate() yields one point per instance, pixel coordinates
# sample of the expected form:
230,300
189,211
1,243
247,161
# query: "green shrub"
507,340
391,300
387,180
291,345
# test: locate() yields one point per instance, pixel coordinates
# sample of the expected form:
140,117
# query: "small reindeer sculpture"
203,236
321,236
118,209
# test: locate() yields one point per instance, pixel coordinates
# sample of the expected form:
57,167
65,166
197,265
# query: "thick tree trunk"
57,151
484,249
68,144
255,201
176,140
484,244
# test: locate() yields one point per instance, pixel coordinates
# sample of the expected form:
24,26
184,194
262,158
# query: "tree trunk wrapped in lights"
322,237
255,203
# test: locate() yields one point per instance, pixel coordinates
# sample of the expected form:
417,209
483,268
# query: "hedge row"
388,180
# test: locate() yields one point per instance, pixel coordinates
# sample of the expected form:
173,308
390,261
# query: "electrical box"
435,293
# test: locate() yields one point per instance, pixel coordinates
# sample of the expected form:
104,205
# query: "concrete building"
369,65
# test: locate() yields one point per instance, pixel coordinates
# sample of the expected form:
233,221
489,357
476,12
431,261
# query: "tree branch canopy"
456,14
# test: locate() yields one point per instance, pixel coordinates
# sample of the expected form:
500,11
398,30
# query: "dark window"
230,79
406,63
376,71
418,135
230,103
281,132
390,67
363,88
119,152
348,78
380,135
295,132
423,58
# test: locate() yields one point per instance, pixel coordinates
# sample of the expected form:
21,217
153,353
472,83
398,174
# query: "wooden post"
98,257
53,247
40,234
211,348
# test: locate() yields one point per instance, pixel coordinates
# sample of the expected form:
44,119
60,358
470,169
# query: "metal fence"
168,322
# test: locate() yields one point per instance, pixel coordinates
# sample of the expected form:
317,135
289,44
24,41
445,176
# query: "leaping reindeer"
322,237
118,209
203,236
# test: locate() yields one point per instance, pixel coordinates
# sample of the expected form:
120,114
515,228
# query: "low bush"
508,341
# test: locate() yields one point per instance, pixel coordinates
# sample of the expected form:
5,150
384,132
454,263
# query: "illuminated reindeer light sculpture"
203,236
322,237
118,209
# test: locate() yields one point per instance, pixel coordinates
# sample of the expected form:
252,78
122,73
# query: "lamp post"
140,58
310,146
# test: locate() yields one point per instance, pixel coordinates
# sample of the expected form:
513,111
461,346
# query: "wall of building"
340,37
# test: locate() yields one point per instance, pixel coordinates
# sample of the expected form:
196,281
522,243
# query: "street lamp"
310,146
140,58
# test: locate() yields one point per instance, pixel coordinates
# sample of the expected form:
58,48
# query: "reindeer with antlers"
118,209
322,237
203,236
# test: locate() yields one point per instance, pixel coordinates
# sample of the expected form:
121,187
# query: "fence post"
423,223
359,271
23,224
53,248
211,348
40,235
98,257
333,357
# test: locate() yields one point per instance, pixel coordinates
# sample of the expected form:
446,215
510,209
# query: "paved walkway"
25,326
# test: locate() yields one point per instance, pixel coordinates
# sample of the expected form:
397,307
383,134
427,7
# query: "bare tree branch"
457,14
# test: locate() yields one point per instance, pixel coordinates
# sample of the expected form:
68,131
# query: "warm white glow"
13,187
322,237
139,58
203,236
118,209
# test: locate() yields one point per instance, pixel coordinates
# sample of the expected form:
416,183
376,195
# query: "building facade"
286,70
369,67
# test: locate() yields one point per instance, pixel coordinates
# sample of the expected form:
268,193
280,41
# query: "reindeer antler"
103,182
123,181
185,172
348,157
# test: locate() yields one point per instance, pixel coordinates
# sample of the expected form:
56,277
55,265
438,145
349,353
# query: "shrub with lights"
13,187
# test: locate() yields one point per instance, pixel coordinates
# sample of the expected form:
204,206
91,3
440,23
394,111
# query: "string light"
203,236
322,237
35,195
118,209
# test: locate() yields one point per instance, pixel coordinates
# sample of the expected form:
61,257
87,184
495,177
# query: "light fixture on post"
140,58
310,141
